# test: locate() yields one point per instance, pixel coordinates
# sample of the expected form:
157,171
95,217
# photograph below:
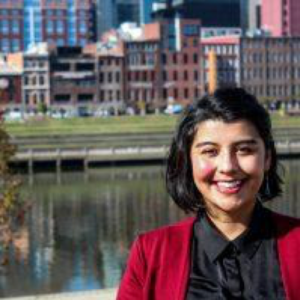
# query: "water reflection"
81,226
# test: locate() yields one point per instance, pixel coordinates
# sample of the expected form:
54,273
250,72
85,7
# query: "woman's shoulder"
286,225
179,230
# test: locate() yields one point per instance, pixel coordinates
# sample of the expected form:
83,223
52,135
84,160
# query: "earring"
267,186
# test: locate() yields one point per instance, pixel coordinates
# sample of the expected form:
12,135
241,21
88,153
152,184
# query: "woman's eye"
209,152
245,150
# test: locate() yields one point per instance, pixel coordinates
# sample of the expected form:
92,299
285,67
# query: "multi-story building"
217,13
68,22
281,17
112,13
143,69
73,77
163,66
270,67
11,25
111,81
24,23
221,59
10,86
146,8
36,78
253,16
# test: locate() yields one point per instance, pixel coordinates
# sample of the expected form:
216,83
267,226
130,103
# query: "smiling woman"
222,166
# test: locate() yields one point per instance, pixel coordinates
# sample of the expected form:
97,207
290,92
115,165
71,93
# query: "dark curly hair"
228,105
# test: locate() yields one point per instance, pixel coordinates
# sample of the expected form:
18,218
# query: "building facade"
73,77
11,26
112,13
24,23
164,66
281,17
270,67
36,78
217,13
221,61
10,86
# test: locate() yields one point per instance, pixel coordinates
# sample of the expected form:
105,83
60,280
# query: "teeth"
229,184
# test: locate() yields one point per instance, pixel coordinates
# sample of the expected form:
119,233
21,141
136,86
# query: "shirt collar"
214,244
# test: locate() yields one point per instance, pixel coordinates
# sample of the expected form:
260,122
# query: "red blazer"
158,267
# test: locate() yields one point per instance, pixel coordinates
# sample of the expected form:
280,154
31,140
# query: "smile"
229,187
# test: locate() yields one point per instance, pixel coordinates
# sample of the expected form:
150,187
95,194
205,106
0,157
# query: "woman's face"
228,161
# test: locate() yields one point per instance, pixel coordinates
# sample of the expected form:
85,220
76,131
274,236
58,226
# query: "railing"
115,148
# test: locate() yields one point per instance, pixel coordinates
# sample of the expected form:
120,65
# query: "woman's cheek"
204,170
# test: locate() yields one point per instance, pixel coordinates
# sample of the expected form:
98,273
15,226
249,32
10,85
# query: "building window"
176,93
152,75
165,93
60,27
185,58
174,58
175,75
82,42
15,45
195,58
186,75
118,77
15,27
165,76
191,30
4,26
49,27
82,27
5,45
196,75
186,93
109,77
41,80
60,42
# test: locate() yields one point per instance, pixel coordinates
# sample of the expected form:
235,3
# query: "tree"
12,208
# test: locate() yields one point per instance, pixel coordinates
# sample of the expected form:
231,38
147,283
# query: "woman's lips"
229,187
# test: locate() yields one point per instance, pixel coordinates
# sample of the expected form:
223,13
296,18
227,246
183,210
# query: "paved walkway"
90,295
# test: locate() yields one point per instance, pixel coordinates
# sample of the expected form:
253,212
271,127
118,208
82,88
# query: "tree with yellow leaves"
12,208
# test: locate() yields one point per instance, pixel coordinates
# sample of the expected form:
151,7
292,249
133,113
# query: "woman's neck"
231,225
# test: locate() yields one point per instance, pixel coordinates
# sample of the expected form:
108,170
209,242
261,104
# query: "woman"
222,166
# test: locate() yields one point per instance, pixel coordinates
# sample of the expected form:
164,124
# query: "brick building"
11,26
36,78
66,22
10,86
270,67
73,79
163,66
226,50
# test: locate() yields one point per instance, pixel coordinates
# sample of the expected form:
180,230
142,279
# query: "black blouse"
245,268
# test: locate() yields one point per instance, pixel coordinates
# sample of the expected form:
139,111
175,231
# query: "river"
80,227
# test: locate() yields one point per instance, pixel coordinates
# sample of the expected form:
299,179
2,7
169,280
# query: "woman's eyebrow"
205,143
247,141
250,141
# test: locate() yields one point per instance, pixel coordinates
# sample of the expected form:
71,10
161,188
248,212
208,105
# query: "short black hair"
228,105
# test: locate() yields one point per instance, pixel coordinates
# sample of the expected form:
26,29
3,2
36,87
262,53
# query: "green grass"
120,124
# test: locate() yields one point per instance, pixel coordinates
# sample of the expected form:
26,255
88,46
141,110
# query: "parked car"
173,109
13,115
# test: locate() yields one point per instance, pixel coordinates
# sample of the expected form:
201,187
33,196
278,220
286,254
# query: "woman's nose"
227,163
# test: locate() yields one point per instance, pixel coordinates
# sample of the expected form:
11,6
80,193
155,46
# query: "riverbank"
109,294
45,126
